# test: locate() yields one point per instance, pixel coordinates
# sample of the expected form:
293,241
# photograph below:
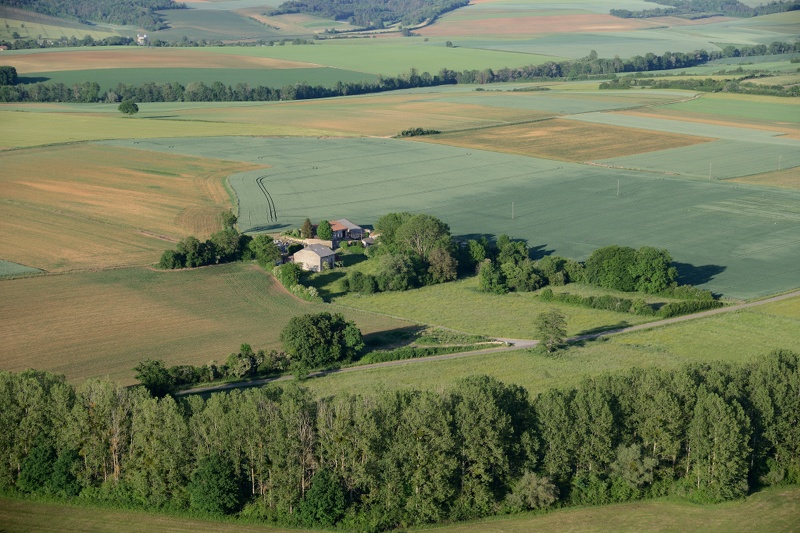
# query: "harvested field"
787,178
86,206
113,58
95,324
565,140
535,25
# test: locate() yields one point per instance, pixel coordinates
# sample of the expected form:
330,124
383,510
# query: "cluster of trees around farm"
709,432
414,251
141,13
372,14
219,92
738,85
224,246
694,9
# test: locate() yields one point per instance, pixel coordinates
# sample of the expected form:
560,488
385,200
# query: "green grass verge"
736,337
773,509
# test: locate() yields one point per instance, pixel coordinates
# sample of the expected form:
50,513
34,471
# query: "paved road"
508,344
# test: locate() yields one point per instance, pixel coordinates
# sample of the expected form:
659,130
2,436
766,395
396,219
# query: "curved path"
509,344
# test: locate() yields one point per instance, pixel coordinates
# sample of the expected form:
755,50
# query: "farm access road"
510,344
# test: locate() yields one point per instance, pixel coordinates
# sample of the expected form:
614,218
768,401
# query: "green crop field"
735,337
389,56
109,78
104,323
737,240
773,509
9,269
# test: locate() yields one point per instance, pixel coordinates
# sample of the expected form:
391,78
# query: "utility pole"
512,210
617,187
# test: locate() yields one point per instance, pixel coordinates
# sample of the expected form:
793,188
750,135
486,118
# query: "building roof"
346,223
320,250
336,226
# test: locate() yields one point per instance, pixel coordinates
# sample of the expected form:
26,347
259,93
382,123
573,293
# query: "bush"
686,307
532,492
215,486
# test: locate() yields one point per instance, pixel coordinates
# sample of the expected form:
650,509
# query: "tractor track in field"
510,345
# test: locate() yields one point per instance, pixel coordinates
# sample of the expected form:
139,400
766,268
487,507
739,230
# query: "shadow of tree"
606,327
697,275
392,338
266,228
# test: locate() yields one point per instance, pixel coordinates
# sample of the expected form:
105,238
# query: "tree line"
372,14
731,85
141,13
219,92
694,9
708,432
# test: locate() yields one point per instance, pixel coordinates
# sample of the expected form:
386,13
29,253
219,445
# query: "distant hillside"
372,13
140,13
706,8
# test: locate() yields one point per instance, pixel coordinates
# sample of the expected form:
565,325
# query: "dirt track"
511,344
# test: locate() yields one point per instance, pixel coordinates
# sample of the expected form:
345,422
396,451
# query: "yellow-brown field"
86,206
566,140
104,323
533,25
378,115
136,57
787,179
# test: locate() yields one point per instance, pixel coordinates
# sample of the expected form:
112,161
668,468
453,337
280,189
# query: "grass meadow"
735,337
734,239
9,269
88,206
773,509
104,323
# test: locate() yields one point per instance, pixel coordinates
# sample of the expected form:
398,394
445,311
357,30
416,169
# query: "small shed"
314,256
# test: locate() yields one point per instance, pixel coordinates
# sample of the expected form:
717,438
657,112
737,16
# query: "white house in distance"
313,256
343,230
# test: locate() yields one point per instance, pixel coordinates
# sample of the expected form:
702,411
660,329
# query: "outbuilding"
314,256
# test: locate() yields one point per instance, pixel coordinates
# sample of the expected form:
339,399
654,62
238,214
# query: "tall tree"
324,230
551,328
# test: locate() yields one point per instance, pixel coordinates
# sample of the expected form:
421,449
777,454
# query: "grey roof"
319,249
347,224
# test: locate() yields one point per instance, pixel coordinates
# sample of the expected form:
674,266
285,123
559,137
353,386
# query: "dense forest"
140,13
591,66
709,432
372,13
707,8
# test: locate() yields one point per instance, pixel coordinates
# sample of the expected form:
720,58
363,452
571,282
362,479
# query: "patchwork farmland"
731,238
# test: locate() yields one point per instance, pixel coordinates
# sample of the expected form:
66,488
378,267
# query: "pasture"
735,337
104,323
30,25
773,509
85,206
736,240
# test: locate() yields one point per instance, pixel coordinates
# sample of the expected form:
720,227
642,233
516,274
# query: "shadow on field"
32,79
601,329
539,252
392,338
697,275
267,228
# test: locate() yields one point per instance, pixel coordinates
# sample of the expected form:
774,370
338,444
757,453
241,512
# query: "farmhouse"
314,256
343,229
